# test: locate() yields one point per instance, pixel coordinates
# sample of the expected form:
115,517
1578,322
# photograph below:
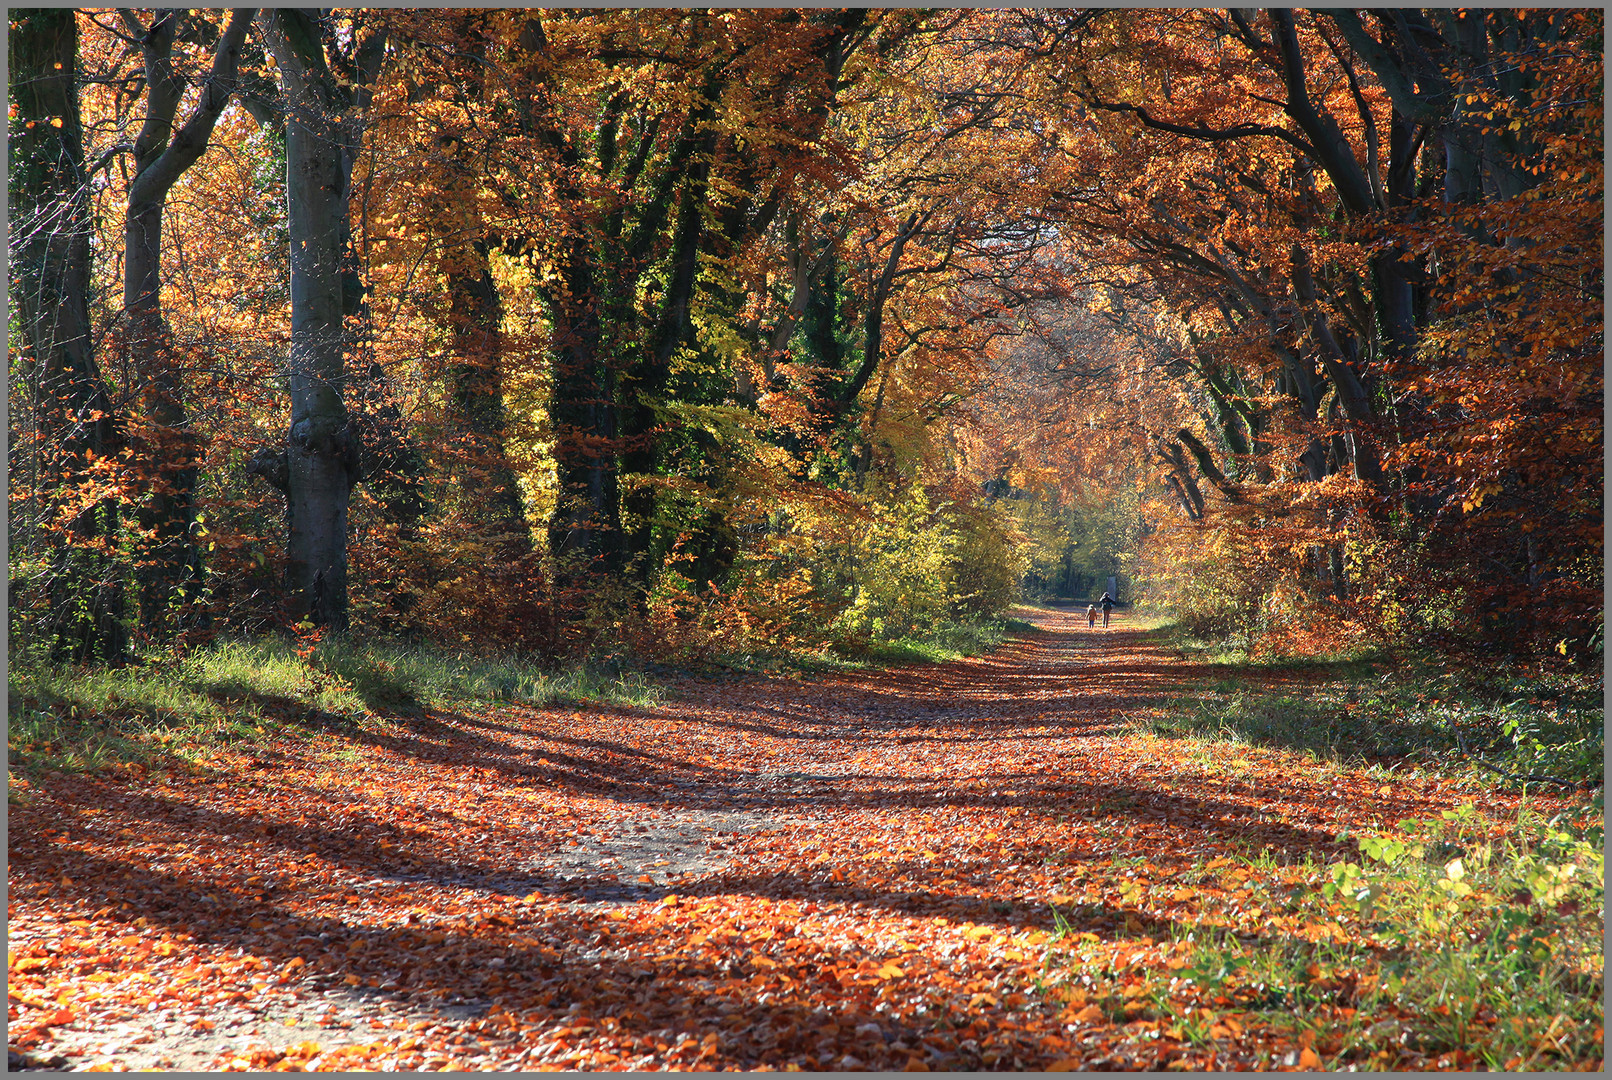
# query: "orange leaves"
806,913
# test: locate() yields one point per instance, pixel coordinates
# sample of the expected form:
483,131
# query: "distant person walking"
1108,604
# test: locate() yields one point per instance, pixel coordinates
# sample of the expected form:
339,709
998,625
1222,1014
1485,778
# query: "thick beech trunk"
321,448
321,458
50,229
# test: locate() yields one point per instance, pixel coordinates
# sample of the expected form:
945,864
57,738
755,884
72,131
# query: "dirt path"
852,871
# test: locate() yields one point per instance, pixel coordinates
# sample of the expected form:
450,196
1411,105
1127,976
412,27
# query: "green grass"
1454,934
1455,939
1234,654
391,677
949,641
66,718
1540,726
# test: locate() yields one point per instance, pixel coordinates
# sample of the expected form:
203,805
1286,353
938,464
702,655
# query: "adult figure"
1107,603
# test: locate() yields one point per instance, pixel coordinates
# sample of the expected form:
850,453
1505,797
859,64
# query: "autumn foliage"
791,325
474,475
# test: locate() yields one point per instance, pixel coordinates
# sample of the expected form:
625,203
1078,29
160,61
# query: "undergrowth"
948,641
1454,941
1238,651
1354,712
84,719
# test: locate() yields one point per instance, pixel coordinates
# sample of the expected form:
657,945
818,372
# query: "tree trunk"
51,226
585,529
645,384
172,567
476,398
322,450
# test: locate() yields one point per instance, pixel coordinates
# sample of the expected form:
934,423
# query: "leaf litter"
865,870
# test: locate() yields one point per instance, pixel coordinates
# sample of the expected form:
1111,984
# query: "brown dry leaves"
885,904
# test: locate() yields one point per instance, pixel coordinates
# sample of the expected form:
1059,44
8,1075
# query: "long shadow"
541,971
544,974
450,739
668,782
386,851
378,848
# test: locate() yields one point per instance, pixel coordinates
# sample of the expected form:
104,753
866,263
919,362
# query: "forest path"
857,869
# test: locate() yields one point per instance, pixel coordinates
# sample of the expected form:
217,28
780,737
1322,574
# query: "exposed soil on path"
855,870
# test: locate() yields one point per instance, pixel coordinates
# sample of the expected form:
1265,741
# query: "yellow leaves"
1478,494
29,998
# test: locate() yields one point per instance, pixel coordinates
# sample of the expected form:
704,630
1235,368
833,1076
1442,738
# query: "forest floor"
955,866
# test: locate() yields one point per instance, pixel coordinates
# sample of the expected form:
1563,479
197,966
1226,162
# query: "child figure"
1091,616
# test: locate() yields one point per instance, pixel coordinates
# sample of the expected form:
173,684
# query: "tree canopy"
669,331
